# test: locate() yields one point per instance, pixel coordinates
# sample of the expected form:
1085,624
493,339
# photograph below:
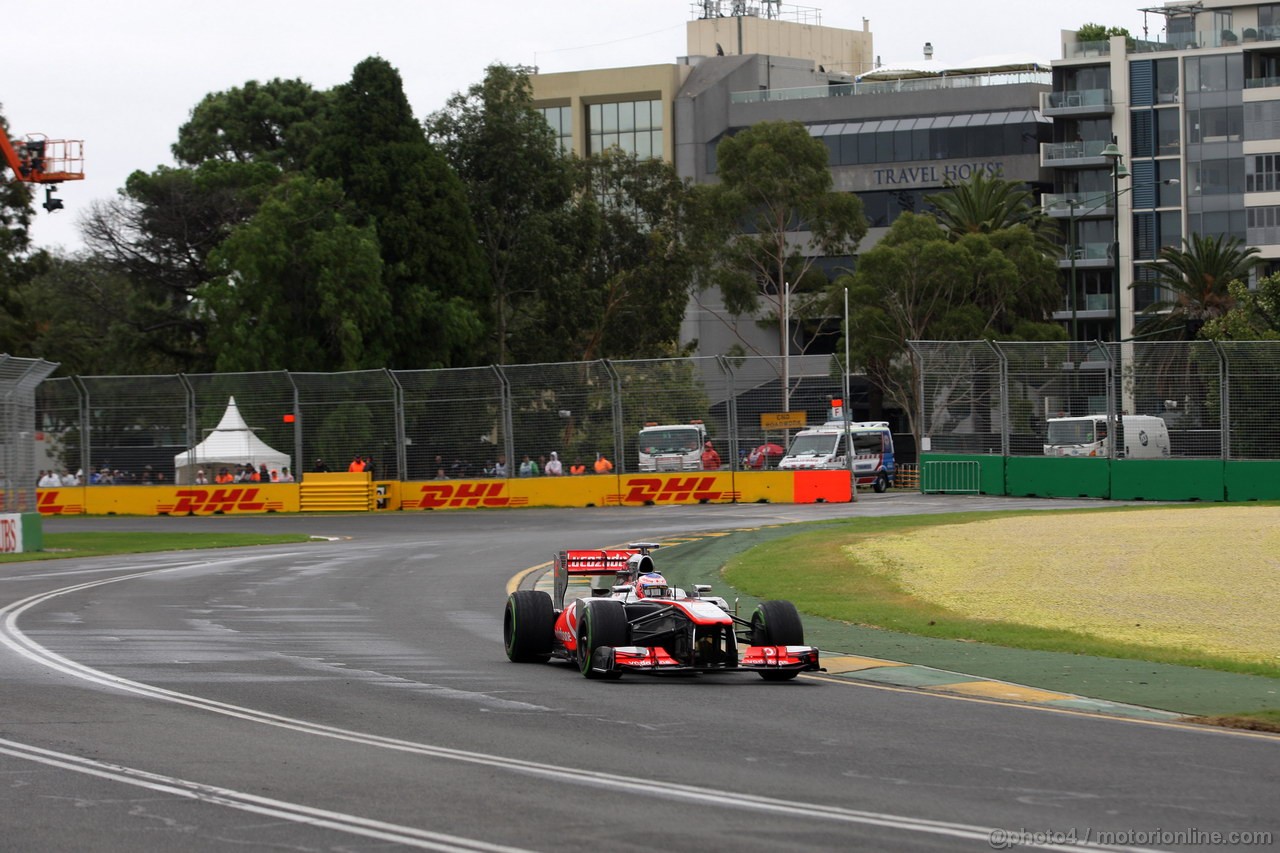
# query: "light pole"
1118,171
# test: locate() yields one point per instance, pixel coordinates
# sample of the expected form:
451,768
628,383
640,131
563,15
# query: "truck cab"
1142,437
827,447
672,447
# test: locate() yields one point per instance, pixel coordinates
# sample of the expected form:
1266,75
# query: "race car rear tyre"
602,623
881,485
528,626
776,623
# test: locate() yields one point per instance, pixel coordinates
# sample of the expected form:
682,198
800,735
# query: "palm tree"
985,205
1194,282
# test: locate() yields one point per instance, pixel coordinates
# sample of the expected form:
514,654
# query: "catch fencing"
428,424
19,380
1220,400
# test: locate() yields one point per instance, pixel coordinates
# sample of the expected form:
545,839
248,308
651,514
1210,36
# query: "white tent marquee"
231,443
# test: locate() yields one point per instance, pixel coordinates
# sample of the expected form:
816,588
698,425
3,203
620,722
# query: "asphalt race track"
353,695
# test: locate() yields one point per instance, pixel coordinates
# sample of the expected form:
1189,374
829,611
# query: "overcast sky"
123,75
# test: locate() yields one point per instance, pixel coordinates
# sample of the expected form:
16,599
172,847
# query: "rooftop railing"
884,87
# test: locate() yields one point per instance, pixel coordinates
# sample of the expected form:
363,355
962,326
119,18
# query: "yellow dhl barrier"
343,492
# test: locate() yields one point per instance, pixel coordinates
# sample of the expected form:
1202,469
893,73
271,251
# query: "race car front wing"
654,659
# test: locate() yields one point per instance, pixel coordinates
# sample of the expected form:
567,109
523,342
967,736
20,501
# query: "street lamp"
1118,171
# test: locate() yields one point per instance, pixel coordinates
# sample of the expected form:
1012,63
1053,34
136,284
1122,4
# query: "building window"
1168,141
1215,74
1262,120
1262,173
561,121
1217,124
1215,177
1263,226
1269,20
633,126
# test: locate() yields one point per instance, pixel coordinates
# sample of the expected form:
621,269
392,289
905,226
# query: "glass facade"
633,126
949,137
561,121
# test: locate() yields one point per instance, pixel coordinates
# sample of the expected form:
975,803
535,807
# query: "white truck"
825,447
1144,437
672,447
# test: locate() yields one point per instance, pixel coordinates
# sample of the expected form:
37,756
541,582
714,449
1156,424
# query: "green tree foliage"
1195,283
774,213
989,204
18,264
158,235
517,184
300,287
433,270
77,313
919,284
278,122
1100,32
1253,316
625,269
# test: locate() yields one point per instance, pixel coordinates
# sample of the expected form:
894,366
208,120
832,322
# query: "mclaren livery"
640,623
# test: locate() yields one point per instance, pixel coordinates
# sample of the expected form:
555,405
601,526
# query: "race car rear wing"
588,563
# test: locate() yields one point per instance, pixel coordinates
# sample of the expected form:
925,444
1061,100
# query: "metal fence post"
508,423
615,395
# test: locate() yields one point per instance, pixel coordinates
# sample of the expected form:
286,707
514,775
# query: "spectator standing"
554,468
320,467
528,468
500,467
264,475
710,459
357,464
577,469
602,464
285,476
48,480
202,479
368,467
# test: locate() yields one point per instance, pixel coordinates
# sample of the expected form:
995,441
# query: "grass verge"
1255,721
822,579
62,545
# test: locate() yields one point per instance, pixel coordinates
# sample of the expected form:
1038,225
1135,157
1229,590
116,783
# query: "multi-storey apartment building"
1156,139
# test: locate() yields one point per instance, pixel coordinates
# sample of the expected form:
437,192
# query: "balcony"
1079,153
1086,256
1087,205
1078,102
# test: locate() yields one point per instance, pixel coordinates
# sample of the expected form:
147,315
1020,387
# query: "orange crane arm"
38,160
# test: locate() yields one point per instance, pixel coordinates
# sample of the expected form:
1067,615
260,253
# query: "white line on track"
13,638
323,818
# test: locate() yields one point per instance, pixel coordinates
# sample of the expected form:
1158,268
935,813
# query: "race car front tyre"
776,623
603,623
528,626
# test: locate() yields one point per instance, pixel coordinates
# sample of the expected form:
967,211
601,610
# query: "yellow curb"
837,664
514,583
1001,690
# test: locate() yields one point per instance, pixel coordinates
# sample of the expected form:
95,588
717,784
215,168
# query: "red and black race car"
642,624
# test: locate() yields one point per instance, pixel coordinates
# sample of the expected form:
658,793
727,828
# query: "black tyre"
601,623
881,485
776,623
528,626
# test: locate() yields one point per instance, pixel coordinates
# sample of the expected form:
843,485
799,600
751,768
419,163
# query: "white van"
1144,436
824,447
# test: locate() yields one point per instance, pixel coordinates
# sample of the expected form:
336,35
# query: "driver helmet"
652,585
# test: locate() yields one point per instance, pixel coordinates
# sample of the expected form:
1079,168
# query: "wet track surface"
353,695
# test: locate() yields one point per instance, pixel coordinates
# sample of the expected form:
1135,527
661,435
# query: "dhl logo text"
442,495
215,500
673,489
48,503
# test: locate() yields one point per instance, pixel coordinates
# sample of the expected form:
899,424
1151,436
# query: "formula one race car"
642,624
